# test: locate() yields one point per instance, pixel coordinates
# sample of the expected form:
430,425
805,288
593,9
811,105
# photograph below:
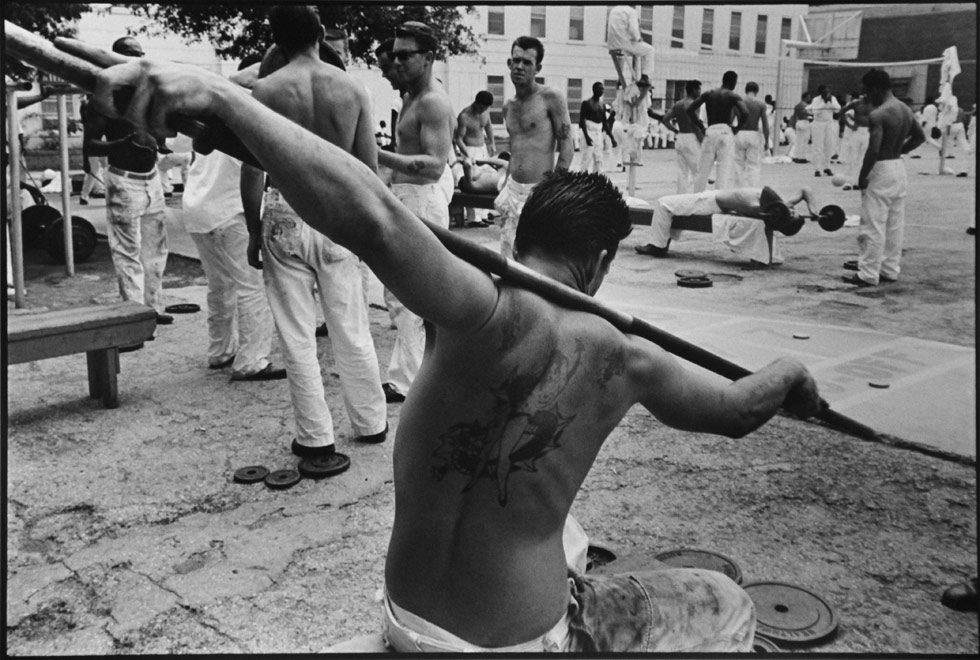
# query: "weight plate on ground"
182,308
694,282
788,613
879,385
282,479
84,240
800,335
691,273
712,561
324,466
250,474
762,645
597,556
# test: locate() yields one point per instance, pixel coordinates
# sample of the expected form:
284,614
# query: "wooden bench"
98,331
701,223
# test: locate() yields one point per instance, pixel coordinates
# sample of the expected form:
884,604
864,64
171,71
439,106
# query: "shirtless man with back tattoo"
538,122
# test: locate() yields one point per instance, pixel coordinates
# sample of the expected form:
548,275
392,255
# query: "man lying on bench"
484,177
742,218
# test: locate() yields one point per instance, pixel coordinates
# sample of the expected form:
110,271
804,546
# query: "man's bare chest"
528,120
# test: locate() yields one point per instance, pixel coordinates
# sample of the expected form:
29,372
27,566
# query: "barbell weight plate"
879,385
182,308
691,273
789,613
704,559
282,479
83,239
800,335
324,466
250,474
832,218
762,645
694,282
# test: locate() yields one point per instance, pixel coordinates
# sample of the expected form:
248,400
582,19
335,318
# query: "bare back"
535,126
719,105
756,111
894,119
678,112
500,430
324,100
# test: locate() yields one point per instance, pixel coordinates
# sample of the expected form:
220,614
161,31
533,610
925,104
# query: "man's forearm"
565,154
252,184
414,164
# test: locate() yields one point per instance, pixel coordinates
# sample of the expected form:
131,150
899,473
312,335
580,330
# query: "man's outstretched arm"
332,191
691,401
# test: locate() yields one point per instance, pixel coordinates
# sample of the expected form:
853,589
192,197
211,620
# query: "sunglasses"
403,55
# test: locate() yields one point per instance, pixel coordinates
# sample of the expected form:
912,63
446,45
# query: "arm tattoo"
563,132
526,424
613,365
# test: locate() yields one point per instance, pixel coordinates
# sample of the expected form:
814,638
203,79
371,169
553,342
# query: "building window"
495,20
495,85
675,92
786,29
646,23
735,34
900,87
574,99
576,23
708,30
760,35
49,112
537,21
677,30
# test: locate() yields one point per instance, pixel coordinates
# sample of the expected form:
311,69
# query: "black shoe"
961,597
971,230
222,364
817,173
857,281
305,451
83,201
374,438
391,394
847,187
961,175
267,373
321,330
828,172
851,265
651,250
886,280
164,319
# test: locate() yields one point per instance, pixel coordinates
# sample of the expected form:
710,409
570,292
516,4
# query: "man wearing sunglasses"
421,178
538,124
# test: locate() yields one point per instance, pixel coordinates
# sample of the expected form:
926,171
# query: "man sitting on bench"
738,218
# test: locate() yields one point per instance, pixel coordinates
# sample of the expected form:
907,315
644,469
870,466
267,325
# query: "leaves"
45,19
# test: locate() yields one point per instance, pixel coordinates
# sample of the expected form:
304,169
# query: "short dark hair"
124,45
751,88
876,79
930,100
806,94
526,43
484,98
385,48
294,27
691,86
597,84
574,215
424,36
249,60
729,79
822,88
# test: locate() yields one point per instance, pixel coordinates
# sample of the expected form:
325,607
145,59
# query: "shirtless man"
749,142
135,210
485,175
801,126
421,178
719,138
473,138
592,122
689,133
325,101
883,182
538,123
730,212
476,559
855,140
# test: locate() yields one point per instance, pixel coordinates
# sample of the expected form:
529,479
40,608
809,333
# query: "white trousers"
748,159
642,53
429,202
823,143
882,226
137,232
239,319
687,150
592,155
509,203
853,146
718,145
295,258
955,136
801,144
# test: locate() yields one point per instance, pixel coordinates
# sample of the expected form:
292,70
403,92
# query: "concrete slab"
931,385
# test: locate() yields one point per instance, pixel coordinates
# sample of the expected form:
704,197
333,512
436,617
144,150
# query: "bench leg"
103,366
94,360
769,243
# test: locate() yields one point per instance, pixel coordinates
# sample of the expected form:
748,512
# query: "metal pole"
16,229
776,117
65,185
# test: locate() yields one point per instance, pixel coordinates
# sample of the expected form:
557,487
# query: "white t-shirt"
212,194
823,110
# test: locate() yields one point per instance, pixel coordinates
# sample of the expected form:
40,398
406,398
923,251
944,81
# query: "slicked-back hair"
876,79
294,27
526,43
573,215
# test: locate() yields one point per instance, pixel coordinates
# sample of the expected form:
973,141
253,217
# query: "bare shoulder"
435,102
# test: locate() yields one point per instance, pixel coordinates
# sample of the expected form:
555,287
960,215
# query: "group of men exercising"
516,394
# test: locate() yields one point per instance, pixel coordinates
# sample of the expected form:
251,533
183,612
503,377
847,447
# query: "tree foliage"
239,30
45,19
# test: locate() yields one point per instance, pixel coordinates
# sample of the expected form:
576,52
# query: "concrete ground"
126,534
